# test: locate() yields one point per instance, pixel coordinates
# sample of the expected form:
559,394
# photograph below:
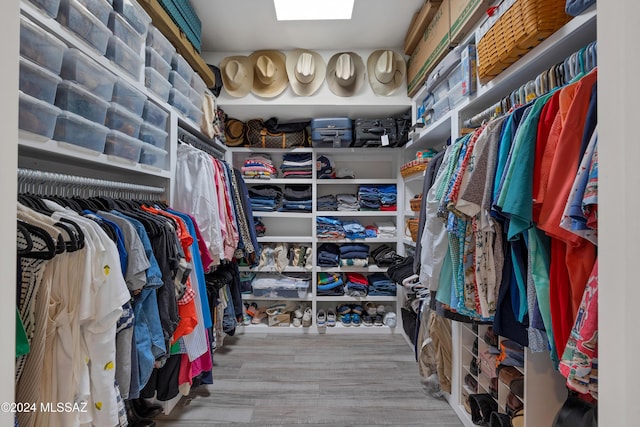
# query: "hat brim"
300,88
400,71
281,80
332,80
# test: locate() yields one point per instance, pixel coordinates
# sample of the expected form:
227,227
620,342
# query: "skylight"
313,10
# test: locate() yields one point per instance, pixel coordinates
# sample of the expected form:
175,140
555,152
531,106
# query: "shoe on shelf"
322,319
307,316
299,312
367,320
378,320
345,319
297,322
331,318
381,310
343,309
357,309
252,309
370,308
355,319
390,319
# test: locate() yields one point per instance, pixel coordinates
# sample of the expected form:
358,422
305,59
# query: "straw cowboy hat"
386,70
270,73
306,70
237,75
345,73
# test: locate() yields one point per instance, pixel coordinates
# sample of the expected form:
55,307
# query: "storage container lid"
38,103
43,72
75,87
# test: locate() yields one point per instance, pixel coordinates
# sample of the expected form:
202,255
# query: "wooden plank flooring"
337,380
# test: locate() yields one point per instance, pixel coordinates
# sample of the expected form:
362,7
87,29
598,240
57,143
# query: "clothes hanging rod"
41,177
189,138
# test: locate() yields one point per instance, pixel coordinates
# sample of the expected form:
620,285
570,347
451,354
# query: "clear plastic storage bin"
121,55
73,97
40,47
179,83
134,13
195,97
123,120
154,81
78,19
36,116
455,95
153,135
122,146
80,132
440,91
99,8
153,156
154,115
37,81
125,32
129,97
179,101
198,84
154,60
158,42
50,7
195,114
80,68
441,108
455,76
183,68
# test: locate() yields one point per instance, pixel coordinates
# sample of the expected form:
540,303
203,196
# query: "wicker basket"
412,225
519,29
413,167
416,202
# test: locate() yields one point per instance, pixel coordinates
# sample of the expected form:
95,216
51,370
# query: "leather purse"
259,136
482,405
499,420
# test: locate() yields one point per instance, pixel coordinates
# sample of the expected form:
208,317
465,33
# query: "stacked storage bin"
129,26
158,55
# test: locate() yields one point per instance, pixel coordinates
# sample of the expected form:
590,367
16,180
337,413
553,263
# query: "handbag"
259,136
576,412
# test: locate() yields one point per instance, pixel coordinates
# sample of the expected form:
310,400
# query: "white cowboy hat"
270,73
237,75
345,73
306,70
387,71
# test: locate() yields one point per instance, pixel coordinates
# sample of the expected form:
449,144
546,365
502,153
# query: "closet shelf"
573,36
287,269
357,213
367,240
414,178
50,150
252,297
407,241
188,124
258,149
433,136
356,181
411,214
306,215
354,299
369,269
278,181
285,239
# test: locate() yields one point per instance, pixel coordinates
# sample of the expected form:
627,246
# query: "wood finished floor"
284,380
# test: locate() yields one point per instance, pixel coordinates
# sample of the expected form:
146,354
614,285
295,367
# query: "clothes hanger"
22,230
53,247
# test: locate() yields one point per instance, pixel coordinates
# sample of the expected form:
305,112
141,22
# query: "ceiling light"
314,10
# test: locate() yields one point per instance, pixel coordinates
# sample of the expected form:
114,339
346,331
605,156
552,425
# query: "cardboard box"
451,23
419,23
468,64
282,319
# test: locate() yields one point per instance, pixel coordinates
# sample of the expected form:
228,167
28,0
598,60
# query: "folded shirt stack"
265,198
297,165
377,197
330,284
381,285
357,285
328,255
347,202
371,231
259,166
386,229
327,203
329,228
297,198
353,229
354,255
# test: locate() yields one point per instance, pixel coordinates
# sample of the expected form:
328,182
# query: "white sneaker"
307,317
390,319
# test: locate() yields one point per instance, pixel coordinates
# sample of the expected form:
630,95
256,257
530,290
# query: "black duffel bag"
369,132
